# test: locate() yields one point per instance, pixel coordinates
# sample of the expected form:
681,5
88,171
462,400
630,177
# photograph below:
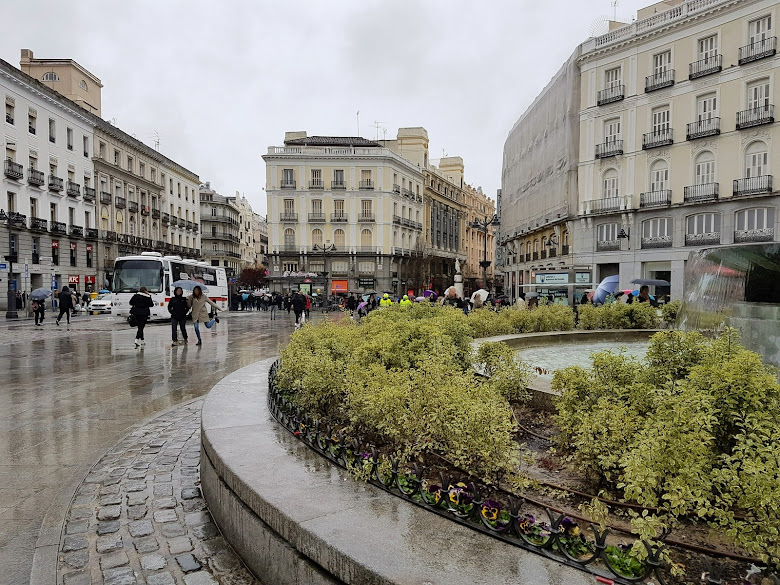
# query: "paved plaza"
99,444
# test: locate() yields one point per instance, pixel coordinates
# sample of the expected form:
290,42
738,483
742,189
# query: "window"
659,227
660,120
338,177
72,254
290,266
339,239
612,130
661,63
52,131
759,30
706,107
702,223
50,76
705,168
611,184
759,218
85,145
366,267
659,176
612,78
607,232
289,206
36,250
69,138
55,252
32,121
289,237
116,157
316,177
758,95
365,175
83,85
316,206
366,238
130,165
288,177
316,237
52,212
756,160
338,207
142,169
9,110
365,207
153,175
708,48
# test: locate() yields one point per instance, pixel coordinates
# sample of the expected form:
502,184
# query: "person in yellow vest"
405,302
386,301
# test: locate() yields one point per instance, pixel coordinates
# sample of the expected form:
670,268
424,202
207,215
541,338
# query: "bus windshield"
131,275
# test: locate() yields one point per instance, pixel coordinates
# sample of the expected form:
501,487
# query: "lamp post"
328,247
10,312
483,226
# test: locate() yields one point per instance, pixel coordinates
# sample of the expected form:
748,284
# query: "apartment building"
220,227
260,238
344,214
479,245
678,143
246,246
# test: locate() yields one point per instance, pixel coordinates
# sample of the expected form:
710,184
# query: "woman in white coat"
197,301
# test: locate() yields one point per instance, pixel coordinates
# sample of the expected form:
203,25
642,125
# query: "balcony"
105,198
705,192
366,217
287,184
91,233
120,202
407,193
58,227
17,218
753,186
76,231
657,138
110,236
756,117
527,257
175,221
290,248
535,256
73,189
55,183
39,225
316,184
337,185
703,128
13,170
166,218
705,239
608,246
89,194
155,213
132,206
564,250
396,188
606,205
36,177
657,242
339,217
195,228
758,50
610,95
145,210
366,184
706,66
543,255
190,226
609,148
316,218
659,80
757,235
397,219
655,198
288,217
9,118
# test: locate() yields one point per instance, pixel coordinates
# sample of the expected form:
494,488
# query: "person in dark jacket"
276,304
66,304
141,303
178,308
351,304
298,303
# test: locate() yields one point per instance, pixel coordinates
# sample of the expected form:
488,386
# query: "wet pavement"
68,396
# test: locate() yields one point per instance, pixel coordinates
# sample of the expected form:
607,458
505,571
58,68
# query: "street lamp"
328,247
10,312
625,236
483,226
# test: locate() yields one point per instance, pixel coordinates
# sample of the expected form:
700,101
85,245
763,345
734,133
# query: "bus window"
131,275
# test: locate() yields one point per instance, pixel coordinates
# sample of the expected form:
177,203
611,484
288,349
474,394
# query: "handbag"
131,320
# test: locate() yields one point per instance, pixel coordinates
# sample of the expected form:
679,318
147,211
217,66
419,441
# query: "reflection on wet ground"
68,395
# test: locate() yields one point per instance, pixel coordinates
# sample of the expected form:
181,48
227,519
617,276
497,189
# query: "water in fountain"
736,286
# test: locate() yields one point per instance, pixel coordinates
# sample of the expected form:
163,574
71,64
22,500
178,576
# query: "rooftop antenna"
358,122
615,4
156,140
377,125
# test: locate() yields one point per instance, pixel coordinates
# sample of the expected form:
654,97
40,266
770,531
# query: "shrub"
486,322
670,311
508,376
617,315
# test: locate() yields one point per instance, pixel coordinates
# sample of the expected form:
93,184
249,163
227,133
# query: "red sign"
55,244
339,286
89,247
72,246
89,279
73,279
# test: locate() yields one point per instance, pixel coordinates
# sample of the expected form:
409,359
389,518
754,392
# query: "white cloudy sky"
221,80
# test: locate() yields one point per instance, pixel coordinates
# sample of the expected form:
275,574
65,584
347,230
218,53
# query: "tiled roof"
331,141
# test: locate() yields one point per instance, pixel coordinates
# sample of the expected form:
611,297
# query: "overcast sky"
221,80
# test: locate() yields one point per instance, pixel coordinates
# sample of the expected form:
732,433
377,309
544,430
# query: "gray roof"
332,141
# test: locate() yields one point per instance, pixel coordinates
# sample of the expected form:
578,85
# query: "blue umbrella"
104,291
606,287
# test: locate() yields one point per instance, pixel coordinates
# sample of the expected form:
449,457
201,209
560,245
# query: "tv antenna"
599,26
615,4
156,140
377,126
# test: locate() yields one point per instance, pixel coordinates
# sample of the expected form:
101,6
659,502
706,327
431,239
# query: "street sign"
53,282
3,266
26,270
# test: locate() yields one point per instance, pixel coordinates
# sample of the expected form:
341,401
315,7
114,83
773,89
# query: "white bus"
157,272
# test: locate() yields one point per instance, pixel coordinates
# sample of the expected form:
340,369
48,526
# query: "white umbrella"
482,293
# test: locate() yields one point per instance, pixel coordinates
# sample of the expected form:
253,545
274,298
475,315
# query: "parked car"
102,304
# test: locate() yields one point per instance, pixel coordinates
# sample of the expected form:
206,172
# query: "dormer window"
50,76
83,85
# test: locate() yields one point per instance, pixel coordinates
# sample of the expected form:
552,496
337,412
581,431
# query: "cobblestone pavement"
68,395
139,516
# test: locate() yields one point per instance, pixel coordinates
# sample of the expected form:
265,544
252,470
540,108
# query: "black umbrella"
650,282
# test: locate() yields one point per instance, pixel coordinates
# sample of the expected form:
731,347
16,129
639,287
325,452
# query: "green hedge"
618,316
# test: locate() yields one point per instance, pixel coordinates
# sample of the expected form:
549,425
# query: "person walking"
39,309
299,306
141,304
178,308
65,304
307,308
197,301
405,302
276,303
351,304
386,301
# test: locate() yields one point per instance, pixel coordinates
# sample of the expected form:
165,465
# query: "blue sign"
3,266
53,283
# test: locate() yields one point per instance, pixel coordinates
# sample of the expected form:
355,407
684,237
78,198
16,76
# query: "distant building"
67,78
220,228
246,247
260,239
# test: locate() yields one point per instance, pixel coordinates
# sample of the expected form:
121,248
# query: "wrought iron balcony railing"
753,186
77,231
704,192
367,184
89,194
657,138
758,50
756,117
38,224
702,128
55,183
338,185
316,217
120,202
609,148
339,217
36,177
659,80
611,94
13,170
288,216
706,66
655,198
704,239
74,189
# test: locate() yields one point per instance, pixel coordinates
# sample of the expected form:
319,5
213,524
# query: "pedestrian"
85,300
197,301
386,301
141,303
478,303
299,306
405,302
18,301
39,309
451,299
276,303
645,296
24,299
65,304
351,304
178,308
307,299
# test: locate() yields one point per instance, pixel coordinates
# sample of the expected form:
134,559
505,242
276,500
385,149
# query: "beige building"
67,78
260,239
246,246
678,143
220,227
344,214
479,245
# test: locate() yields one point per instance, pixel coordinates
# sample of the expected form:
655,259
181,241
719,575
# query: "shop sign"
89,247
90,279
72,246
339,286
365,282
582,277
73,279
552,278
55,243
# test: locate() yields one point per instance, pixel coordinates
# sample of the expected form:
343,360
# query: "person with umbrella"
644,296
66,305
198,301
178,308
38,298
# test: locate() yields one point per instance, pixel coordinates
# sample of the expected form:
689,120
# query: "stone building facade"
220,228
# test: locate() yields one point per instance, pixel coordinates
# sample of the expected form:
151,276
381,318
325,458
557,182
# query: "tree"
253,277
